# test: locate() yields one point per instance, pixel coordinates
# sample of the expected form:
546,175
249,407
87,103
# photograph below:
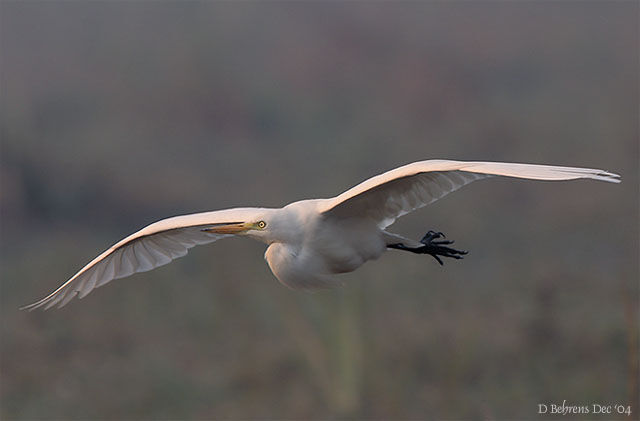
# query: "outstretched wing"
155,245
388,196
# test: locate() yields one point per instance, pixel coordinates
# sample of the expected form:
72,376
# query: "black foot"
431,235
433,248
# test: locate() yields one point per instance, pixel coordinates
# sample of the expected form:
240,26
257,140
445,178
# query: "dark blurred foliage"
116,114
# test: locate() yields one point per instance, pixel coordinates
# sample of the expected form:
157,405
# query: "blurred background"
114,115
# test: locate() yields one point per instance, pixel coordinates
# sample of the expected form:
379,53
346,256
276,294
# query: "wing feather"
390,195
151,247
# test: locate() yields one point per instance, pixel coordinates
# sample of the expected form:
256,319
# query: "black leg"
433,248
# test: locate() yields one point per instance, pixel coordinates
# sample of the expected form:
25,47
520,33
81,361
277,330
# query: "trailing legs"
431,247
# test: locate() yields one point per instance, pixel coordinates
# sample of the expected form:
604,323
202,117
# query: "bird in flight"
309,241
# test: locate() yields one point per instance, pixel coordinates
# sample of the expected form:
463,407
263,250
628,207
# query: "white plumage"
310,240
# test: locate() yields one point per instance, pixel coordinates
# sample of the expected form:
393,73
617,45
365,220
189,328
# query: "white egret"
311,240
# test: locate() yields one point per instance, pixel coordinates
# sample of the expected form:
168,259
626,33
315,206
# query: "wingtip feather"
33,306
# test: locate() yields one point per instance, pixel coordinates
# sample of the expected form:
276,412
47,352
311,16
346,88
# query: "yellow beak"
229,228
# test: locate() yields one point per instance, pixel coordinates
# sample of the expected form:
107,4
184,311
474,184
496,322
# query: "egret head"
237,228
257,225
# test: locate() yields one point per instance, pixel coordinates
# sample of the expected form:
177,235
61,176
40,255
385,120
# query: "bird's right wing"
390,195
153,246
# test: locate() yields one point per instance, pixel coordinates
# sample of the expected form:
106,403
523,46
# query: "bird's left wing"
390,195
153,246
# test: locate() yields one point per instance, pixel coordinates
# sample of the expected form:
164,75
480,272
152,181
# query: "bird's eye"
262,224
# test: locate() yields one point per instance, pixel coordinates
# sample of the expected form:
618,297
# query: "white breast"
290,270
325,248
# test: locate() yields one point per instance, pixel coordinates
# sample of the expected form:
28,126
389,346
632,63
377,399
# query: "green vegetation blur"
114,115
